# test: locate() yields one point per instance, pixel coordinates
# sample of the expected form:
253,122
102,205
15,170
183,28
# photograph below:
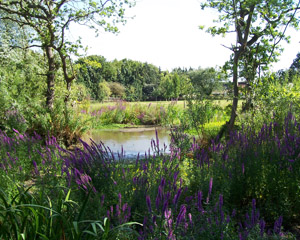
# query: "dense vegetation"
232,171
135,81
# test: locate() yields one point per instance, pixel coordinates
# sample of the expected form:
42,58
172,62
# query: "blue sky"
166,33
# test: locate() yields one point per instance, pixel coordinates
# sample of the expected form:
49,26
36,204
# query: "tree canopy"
259,26
49,22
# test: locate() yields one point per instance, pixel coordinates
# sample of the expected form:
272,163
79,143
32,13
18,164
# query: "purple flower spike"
120,198
36,171
220,201
210,185
199,201
176,197
181,215
262,225
148,202
118,211
190,219
277,225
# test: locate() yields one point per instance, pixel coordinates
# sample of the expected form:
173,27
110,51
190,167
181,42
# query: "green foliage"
273,100
79,92
122,112
104,91
87,193
199,112
93,71
204,81
261,158
117,90
259,26
20,88
142,81
294,70
31,216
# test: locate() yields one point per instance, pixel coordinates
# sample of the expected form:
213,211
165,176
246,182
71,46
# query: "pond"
133,140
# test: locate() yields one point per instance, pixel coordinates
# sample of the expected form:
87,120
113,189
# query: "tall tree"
294,70
50,20
259,26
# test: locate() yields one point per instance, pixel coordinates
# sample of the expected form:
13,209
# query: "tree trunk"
235,92
66,100
50,78
228,127
68,78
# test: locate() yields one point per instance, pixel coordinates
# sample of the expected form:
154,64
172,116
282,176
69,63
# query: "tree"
49,21
104,90
117,89
204,80
166,86
92,71
294,70
259,26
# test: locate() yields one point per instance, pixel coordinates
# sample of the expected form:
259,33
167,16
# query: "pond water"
133,140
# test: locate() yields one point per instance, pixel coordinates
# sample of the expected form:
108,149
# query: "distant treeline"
136,81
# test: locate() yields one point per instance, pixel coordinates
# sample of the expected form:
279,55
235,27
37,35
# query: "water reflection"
133,140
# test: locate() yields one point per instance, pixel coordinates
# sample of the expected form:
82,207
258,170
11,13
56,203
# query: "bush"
117,89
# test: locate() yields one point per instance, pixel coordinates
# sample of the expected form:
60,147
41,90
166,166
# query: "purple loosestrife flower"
176,197
190,219
102,200
125,206
118,212
160,193
137,159
162,182
128,214
154,220
165,206
262,225
233,213
210,186
112,210
220,201
36,171
84,181
277,225
141,116
181,215
168,217
148,202
111,108
171,236
122,107
157,202
254,216
120,198
199,202
227,219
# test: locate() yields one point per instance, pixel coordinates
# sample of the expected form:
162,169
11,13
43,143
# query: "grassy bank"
111,115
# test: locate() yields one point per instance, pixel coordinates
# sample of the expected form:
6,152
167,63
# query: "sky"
166,34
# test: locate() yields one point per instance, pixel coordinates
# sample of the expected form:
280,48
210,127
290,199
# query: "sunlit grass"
97,105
